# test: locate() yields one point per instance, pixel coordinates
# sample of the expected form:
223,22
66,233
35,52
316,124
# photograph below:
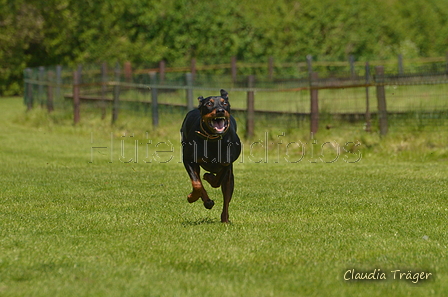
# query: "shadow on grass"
204,221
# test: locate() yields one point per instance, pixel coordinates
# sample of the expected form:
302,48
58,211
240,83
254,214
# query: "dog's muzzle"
219,124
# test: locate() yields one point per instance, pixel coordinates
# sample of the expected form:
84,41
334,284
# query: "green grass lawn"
74,224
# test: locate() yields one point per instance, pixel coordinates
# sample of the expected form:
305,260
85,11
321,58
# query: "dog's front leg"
198,191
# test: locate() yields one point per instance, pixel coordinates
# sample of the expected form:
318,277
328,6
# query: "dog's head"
215,112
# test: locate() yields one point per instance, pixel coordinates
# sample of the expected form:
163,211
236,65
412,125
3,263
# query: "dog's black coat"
210,141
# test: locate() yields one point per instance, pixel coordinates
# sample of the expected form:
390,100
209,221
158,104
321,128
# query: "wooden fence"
125,79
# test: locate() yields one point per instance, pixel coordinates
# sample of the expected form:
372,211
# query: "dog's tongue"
219,124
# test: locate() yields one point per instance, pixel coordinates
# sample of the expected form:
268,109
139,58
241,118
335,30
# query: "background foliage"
41,33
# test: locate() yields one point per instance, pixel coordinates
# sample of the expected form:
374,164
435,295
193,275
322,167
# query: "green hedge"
67,32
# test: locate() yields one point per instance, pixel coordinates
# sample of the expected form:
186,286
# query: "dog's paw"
209,204
192,198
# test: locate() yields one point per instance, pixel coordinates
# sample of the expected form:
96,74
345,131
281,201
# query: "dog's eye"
225,104
209,104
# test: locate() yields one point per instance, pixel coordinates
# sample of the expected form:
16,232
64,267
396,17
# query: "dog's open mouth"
219,124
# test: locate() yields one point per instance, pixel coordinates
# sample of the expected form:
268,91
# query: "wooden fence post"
76,99
314,110
368,121
50,77
58,81
103,90
80,73
154,104
381,98
189,80
116,104
271,68
351,61
250,121
41,85
309,62
128,72
29,89
234,69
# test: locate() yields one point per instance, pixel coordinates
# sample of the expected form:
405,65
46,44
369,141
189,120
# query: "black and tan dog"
209,140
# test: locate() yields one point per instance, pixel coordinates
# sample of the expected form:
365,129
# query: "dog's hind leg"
227,186
216,180
212,179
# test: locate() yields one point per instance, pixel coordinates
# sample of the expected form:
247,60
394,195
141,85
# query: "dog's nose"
220,110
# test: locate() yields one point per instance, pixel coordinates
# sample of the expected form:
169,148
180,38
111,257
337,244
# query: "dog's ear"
200,99
224,94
